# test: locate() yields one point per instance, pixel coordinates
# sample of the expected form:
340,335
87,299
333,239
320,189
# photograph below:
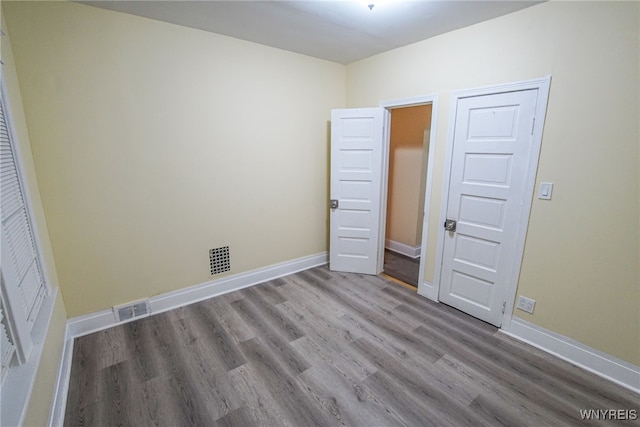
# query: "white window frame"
27,336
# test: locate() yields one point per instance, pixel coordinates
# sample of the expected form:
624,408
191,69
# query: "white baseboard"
401,248
89,323
93,322
228,284
56,418
620,372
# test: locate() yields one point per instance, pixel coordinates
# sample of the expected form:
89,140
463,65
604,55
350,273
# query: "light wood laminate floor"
319,348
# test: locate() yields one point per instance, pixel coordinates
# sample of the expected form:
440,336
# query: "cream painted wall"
41,398
581,261
154,143
406,186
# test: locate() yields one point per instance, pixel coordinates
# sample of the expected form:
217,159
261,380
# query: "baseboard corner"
595,361
403,249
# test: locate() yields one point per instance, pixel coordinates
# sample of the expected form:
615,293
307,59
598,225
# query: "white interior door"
492,146
357,178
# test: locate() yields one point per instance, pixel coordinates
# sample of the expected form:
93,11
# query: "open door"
358,172
493,146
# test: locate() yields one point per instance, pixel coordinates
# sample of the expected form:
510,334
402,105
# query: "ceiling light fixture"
370,6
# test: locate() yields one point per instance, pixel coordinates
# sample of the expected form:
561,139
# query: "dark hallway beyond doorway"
401,267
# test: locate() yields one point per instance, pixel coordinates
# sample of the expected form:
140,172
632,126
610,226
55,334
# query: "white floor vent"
132,310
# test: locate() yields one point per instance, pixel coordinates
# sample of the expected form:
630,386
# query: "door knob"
450,225
333,204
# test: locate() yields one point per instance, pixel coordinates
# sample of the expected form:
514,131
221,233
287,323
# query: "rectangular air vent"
132,310
219,260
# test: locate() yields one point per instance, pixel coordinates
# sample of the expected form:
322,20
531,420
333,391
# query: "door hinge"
504,306
533,124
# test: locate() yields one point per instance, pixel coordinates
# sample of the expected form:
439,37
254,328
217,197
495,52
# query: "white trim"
542,86
384,185
93,322
604,365
408,102
20,379
59,403
89,323
401,248
424,288
427,290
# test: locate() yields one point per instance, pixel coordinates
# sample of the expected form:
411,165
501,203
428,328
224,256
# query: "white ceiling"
341,31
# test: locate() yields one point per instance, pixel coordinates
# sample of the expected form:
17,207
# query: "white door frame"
543,86
425,289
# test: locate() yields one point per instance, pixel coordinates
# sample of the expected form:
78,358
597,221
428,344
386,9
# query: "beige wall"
155,143
405,197
582,250
42,395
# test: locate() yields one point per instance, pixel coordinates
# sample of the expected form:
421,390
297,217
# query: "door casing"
424,288
542,85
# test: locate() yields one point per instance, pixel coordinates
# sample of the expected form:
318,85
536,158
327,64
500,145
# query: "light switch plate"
545,190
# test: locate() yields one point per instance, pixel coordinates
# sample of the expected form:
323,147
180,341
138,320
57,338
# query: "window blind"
24,277
7,349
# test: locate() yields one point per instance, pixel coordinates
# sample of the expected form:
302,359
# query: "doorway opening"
360,139
408,157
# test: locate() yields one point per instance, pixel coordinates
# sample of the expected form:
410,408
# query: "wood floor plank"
123,406
348,364
143,350
381,324
269,313
269,291
236,327
422,388
317,305
163,406
211,334
564,406
86,416
291,398
502,396
351,286
83,389
347,398
208,378
272,337
239,417
322,348
401,402
262,407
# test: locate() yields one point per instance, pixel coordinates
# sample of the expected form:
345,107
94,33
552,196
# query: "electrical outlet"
526,304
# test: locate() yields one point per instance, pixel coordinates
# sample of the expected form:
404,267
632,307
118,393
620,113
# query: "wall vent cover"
219,260
132,310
